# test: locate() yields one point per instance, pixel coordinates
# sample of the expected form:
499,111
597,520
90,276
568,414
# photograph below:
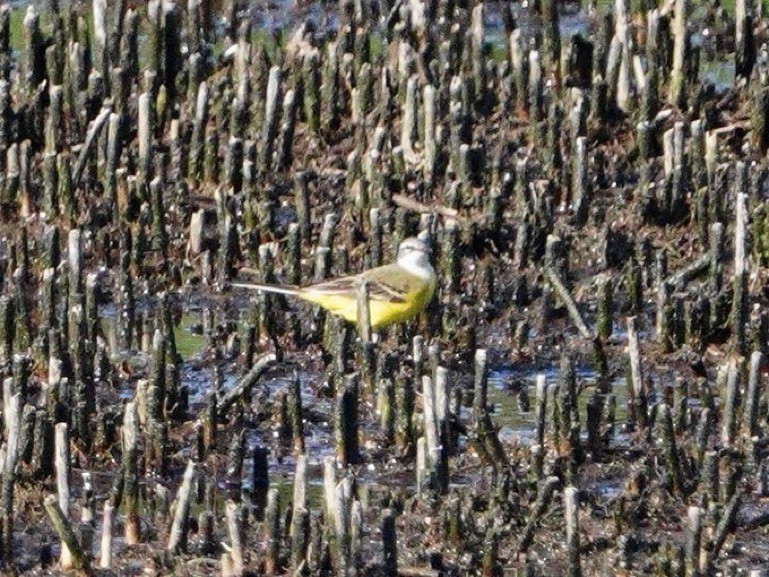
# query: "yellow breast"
383,313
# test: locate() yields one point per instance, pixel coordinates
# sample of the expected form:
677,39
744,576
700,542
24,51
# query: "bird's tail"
284,290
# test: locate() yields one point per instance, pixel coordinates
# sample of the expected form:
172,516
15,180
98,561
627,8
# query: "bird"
397,292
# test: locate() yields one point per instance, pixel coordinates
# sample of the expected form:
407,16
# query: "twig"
571,306
251,378
93,133
178,537
416,206
681,278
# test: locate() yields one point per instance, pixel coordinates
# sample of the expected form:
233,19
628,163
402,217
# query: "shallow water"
519,426
283,16
516,426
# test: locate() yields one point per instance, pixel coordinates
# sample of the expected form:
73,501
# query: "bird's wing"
387,283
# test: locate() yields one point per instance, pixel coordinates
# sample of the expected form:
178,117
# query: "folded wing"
388,283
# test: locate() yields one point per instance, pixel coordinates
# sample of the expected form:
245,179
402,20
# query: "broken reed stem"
693,541
740,300
571,306
78,558
346,421
12,415
300,482
540,418
129,471
105,562
364,312
234,523
638,388
480,400
571,505
296,414
272,532
539,508
244,385
389,543
752,394
177,539
416,206
62,487
435,447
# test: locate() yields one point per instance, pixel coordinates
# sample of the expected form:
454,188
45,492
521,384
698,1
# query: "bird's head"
414,255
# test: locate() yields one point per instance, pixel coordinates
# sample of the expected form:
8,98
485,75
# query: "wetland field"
587,391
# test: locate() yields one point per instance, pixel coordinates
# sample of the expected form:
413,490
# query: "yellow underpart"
383,313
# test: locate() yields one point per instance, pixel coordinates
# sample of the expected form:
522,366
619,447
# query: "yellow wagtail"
397,292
